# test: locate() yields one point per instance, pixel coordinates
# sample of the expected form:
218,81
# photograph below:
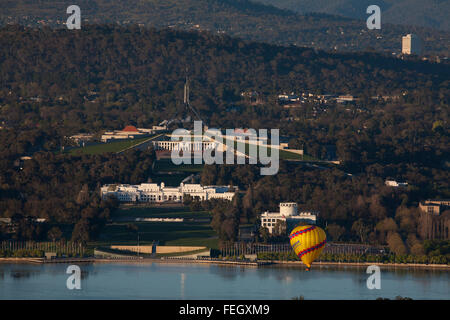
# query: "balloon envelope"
308,242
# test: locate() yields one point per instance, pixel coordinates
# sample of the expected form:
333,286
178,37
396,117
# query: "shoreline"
260,263
366,264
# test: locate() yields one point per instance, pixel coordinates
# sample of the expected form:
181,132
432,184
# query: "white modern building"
345,99
395,183
82,137
288,98
289,214
188,141
129,132
185,142
152,192
411,44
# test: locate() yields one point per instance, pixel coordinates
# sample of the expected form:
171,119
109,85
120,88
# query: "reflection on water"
183,279
202,281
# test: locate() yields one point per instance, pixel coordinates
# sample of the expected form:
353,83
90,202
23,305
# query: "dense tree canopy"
238,18
56,83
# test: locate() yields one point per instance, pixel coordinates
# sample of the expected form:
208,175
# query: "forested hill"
429,13
240,18
145,69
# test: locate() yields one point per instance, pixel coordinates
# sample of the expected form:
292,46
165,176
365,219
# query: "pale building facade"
193,145
434,207
154,193
411,44
395,183
131,132
288,213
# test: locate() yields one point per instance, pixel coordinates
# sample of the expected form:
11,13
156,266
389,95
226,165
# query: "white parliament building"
152,192
289,214
189,141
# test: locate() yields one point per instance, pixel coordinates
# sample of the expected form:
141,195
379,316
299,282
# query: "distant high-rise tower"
411,44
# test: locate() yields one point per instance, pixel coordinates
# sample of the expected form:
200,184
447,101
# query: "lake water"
201,281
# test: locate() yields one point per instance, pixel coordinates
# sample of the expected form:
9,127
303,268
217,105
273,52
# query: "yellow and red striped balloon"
308,242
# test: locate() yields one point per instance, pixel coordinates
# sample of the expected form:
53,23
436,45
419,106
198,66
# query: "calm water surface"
198,281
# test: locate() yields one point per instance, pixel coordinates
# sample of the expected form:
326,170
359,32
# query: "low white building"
286,98
189,141
82,137
345,98
289,214
186,142
395,183
154,193
131,132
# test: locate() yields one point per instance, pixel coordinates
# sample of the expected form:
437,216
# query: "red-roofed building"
129,132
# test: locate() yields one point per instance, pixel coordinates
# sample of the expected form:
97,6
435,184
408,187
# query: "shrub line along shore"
245,263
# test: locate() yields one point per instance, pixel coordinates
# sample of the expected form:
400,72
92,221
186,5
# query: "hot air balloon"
308,242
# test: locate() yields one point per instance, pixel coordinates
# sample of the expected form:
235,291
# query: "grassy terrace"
114,146
159,212
167,233
170,179
166,165
178,173
188,233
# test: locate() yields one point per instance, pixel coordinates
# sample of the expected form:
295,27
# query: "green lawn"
166,165
170,179
160,212
286,155
167,233
114,146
